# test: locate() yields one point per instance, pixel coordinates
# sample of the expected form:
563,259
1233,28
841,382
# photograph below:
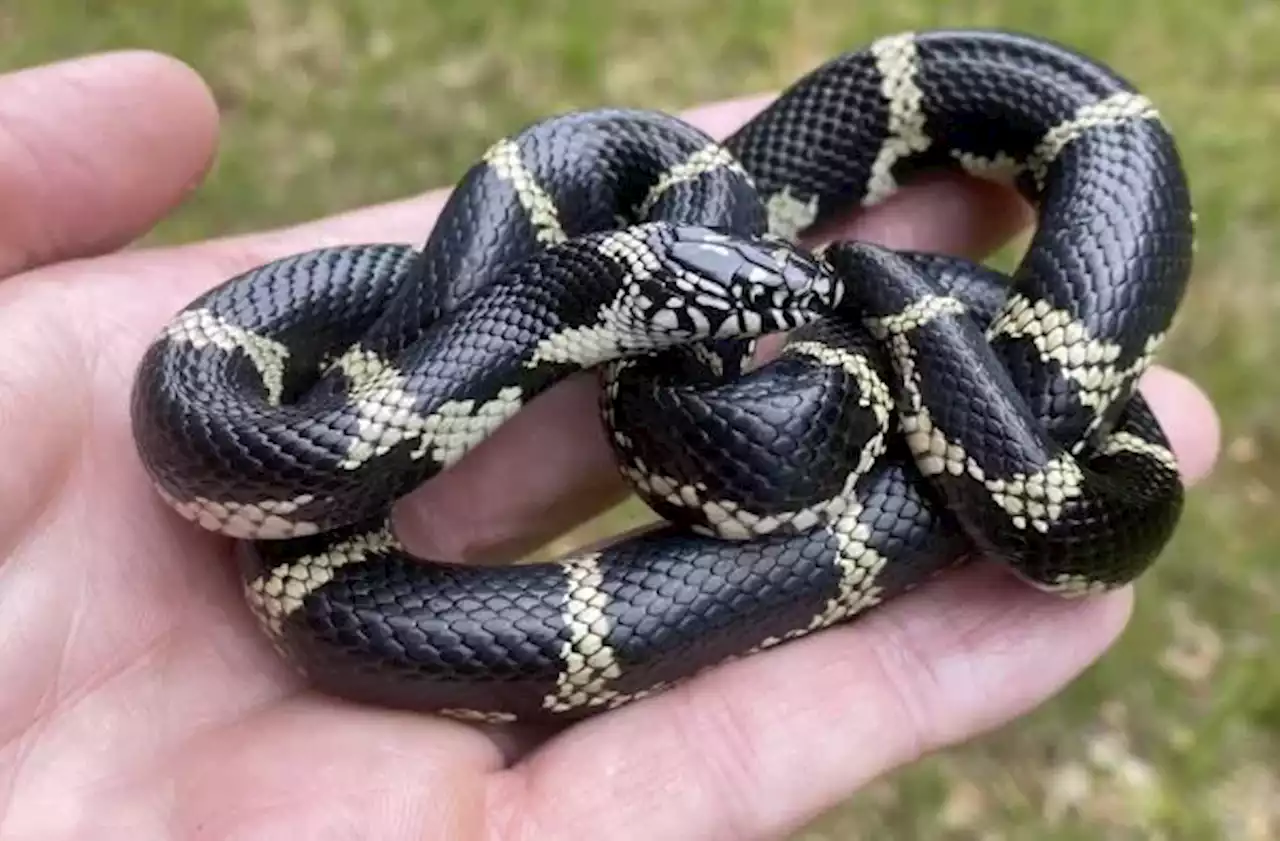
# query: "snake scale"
924,408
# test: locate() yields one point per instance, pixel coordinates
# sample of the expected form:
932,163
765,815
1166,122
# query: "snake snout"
765,276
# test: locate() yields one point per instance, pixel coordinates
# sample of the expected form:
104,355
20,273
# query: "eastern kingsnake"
925,408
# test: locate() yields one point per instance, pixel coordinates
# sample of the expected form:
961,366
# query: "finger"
93,152
759,747
966,216
1189,420
410,220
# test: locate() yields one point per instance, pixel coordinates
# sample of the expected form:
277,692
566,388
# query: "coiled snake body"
924,408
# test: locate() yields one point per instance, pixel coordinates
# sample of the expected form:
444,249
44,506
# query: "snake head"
766,282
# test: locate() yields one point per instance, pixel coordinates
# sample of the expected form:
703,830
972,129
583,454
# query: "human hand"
142,701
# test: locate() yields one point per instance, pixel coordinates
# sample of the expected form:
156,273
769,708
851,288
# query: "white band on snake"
924,408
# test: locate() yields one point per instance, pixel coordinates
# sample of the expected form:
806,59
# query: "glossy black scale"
1112,250
794,430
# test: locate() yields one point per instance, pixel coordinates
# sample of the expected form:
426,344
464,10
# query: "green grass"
1175,734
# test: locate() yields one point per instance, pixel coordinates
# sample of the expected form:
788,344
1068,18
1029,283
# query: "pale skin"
141,702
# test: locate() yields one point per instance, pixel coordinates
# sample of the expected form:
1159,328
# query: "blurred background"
1176,733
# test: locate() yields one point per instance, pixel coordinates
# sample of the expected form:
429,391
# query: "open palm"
141,701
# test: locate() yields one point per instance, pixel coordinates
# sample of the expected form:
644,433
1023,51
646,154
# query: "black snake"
924,409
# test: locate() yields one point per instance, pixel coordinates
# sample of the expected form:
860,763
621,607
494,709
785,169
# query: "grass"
1175,735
